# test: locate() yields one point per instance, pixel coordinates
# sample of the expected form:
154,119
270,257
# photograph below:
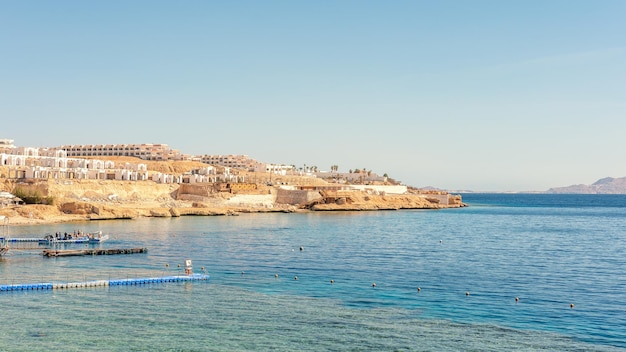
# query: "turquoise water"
550,251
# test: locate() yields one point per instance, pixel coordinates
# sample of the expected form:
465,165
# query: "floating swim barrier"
48,286
21,239
97,251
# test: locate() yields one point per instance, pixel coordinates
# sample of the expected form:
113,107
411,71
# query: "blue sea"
445,280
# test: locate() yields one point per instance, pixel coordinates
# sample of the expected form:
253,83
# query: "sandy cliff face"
111,191
76,200
90,199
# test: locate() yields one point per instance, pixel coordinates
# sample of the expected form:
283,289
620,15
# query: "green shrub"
32,196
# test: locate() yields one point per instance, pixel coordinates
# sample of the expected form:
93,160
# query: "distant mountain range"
607,185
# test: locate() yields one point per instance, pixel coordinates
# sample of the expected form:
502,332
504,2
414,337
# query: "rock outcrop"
79,200
365,201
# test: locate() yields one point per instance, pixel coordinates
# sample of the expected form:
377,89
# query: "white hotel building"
145,151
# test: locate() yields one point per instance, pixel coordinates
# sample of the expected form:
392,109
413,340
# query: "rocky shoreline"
113,200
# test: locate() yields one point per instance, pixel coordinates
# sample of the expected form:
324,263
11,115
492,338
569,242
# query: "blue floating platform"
48,286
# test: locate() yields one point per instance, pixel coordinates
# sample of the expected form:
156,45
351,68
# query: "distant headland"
607,185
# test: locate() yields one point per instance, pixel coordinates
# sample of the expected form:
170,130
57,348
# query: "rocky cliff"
77,200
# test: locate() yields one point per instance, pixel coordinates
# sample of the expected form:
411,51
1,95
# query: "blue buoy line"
21,239
48,286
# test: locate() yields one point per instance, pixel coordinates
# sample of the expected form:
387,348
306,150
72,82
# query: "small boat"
85,238
98,237
70,239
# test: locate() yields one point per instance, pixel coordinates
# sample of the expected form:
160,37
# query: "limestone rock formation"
79,200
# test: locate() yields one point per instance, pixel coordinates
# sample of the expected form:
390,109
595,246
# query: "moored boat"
98,237
83,238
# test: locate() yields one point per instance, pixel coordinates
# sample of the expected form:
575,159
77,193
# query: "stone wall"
200,190
295,197
386,189
255,200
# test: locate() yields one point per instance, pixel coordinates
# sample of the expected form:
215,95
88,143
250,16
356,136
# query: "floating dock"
49,240
48,286
22,239
95,251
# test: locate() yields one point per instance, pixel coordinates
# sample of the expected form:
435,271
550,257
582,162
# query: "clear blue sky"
480,95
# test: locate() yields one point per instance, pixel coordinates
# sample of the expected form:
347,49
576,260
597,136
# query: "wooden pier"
96,251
